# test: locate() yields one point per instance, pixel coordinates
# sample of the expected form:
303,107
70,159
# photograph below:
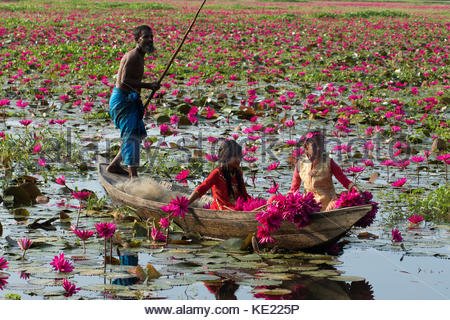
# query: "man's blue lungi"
127,112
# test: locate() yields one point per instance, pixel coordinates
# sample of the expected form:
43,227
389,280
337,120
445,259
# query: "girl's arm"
296,181
204,186
340,176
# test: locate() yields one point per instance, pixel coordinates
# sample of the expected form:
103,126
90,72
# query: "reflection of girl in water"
222,290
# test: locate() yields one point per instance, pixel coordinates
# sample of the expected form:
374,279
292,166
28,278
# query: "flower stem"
78,215
104,261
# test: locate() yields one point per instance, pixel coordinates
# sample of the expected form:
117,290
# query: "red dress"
218,185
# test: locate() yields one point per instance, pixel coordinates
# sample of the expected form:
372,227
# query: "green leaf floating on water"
275,276
276,269
303,268
259,282
248,257
45,282
157,284
347,278
321,273
272,292
327,262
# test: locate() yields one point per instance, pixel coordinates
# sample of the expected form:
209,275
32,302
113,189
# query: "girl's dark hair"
139,30
317,139
230,149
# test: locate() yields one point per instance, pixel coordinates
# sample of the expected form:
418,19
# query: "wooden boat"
324,228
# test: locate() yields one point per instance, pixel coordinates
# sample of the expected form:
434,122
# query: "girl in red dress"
316,170
226,181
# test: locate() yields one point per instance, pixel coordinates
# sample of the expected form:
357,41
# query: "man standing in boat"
125,105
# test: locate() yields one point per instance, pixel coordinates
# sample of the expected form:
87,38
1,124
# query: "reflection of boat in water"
313,288
301,288
324,228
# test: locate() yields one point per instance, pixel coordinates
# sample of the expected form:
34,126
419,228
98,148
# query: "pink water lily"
24,245
396,235
293,207
25,122
70,288
42,162
24,275
417,159
273,166
81,195
164,223
3,263
181,177
399,183
157,235
274,188
249,204
415,219
21,104
212,140
37,148
3,281
105,229
445,158
165,130
178,206
4,102
61,264
355,169
211,157
61,180
83,235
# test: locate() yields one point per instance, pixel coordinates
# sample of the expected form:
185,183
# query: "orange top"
218,185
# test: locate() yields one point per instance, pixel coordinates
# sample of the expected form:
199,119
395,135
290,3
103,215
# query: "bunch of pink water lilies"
59,262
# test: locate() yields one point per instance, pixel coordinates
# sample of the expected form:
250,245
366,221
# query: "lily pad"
276,269
105,287
232,244
347,278
91,272
275,276
44,282
303,268
327,262
259,282
321,273
248,257
272,292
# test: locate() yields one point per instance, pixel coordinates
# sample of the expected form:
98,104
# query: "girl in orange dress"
226,181
316,170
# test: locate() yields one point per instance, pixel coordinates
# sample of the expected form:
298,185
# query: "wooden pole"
174,55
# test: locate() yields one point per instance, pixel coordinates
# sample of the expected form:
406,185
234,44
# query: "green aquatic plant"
433,205
13,296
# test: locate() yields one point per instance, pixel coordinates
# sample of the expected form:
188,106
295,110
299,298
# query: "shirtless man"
125,104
